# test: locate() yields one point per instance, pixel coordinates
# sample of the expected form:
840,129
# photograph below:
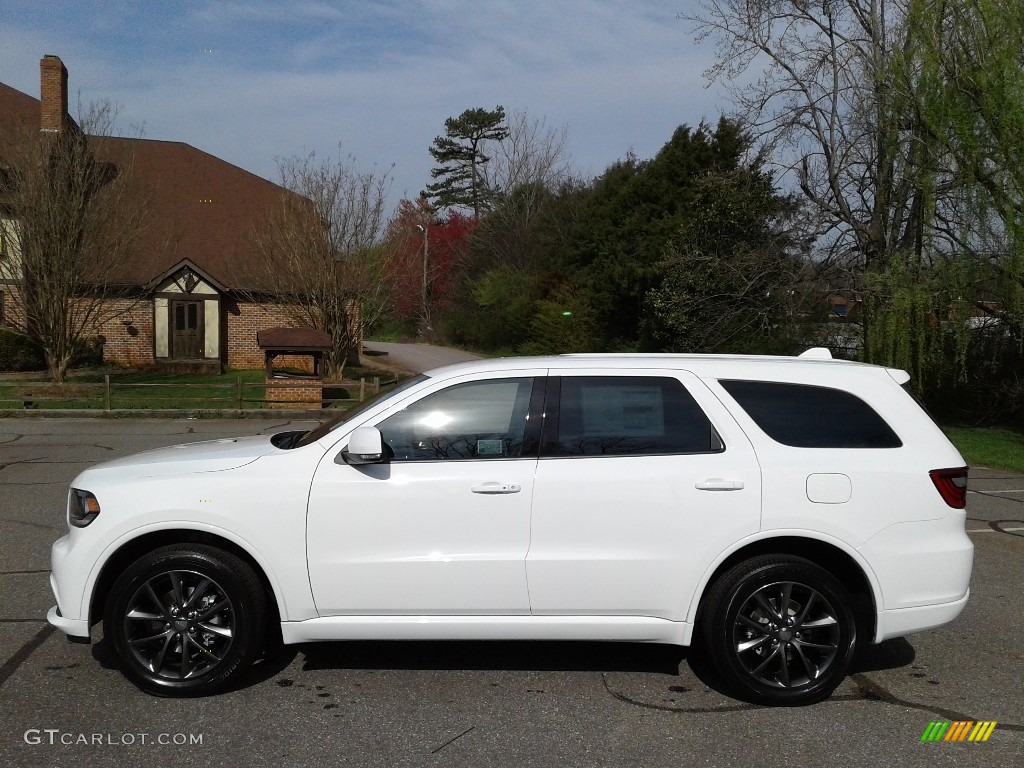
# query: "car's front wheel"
780,630
185,619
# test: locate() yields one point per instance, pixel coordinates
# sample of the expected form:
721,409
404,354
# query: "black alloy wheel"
186,619
780,630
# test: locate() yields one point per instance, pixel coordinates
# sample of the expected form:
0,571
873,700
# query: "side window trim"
535,419
552,409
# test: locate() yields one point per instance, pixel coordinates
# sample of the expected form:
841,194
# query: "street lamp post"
423,287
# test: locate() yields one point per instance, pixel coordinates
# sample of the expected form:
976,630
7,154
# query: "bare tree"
531,153
324,258
835,98
526,168
75,216
825,102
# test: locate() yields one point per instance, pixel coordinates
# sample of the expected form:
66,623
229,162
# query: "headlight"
82,508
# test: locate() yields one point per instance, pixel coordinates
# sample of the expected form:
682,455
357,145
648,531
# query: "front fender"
291,604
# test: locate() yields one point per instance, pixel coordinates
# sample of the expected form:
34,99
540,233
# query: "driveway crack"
867,690
874,691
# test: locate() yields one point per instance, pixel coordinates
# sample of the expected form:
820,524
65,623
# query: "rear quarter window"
806,416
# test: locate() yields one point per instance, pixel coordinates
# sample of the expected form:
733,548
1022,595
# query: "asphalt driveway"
416,358
479,704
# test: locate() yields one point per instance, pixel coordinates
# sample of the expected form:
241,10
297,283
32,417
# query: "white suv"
778,510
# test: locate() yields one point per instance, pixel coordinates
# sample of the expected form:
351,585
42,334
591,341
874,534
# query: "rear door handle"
495,488
718,484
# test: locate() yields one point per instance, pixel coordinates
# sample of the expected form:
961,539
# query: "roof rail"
816,353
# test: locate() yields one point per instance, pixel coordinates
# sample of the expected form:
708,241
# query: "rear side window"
629,416
805,416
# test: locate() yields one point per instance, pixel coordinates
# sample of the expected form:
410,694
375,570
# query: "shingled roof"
18,108
201,208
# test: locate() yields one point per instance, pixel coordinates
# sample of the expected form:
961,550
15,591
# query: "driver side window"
475,420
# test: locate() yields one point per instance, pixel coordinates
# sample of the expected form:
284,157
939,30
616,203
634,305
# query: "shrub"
87,352
19,353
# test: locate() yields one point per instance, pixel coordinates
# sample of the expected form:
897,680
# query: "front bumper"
68,575
71,627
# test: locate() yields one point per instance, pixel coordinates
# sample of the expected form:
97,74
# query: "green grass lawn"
134,389
989,446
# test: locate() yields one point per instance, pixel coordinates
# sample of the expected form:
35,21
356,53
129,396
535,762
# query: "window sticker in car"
488,448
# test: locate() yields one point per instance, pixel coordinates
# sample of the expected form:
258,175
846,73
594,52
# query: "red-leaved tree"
430,250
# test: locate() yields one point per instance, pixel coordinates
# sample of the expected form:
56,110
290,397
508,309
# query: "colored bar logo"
958,730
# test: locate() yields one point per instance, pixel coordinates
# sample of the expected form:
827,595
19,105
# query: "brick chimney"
53,94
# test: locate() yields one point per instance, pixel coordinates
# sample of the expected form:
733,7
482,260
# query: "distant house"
843,307
194,270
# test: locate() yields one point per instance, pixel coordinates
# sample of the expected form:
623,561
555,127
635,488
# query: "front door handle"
494,488
718,484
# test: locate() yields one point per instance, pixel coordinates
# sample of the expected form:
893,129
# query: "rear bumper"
900,622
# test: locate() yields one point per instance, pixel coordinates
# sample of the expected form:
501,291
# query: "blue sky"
251,81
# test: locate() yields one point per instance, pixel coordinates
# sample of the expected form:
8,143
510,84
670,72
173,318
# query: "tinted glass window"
812,417
477,420
629,415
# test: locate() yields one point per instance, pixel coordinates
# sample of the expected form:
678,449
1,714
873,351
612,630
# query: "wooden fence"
234,395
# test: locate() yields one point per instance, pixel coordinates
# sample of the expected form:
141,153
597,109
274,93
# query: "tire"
186,619
780,630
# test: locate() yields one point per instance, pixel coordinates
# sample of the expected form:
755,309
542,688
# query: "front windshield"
341,418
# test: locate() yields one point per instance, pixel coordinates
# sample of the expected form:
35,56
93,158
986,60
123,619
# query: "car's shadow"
494,655
524,656
558,657
891,654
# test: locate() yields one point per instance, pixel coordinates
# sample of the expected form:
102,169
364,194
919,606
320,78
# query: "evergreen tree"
460,157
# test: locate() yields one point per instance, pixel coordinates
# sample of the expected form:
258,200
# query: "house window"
2,321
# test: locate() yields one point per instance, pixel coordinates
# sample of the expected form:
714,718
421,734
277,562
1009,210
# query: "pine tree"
460,157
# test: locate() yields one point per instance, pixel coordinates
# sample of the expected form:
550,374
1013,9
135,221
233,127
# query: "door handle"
495,488
718,484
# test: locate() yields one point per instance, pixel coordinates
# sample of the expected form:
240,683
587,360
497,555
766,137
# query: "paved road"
418,358
466,704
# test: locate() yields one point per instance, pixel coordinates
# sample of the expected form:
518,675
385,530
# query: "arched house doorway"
187,319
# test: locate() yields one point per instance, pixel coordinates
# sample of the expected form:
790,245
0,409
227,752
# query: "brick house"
196,299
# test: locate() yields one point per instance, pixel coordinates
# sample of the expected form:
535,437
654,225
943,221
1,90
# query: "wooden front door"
186,330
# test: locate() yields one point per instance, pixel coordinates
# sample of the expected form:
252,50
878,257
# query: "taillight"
951,485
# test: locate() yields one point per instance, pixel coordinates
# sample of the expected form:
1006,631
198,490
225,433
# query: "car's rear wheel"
780,630
184,620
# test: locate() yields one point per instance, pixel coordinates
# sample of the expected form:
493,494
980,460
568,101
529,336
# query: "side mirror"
365,446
